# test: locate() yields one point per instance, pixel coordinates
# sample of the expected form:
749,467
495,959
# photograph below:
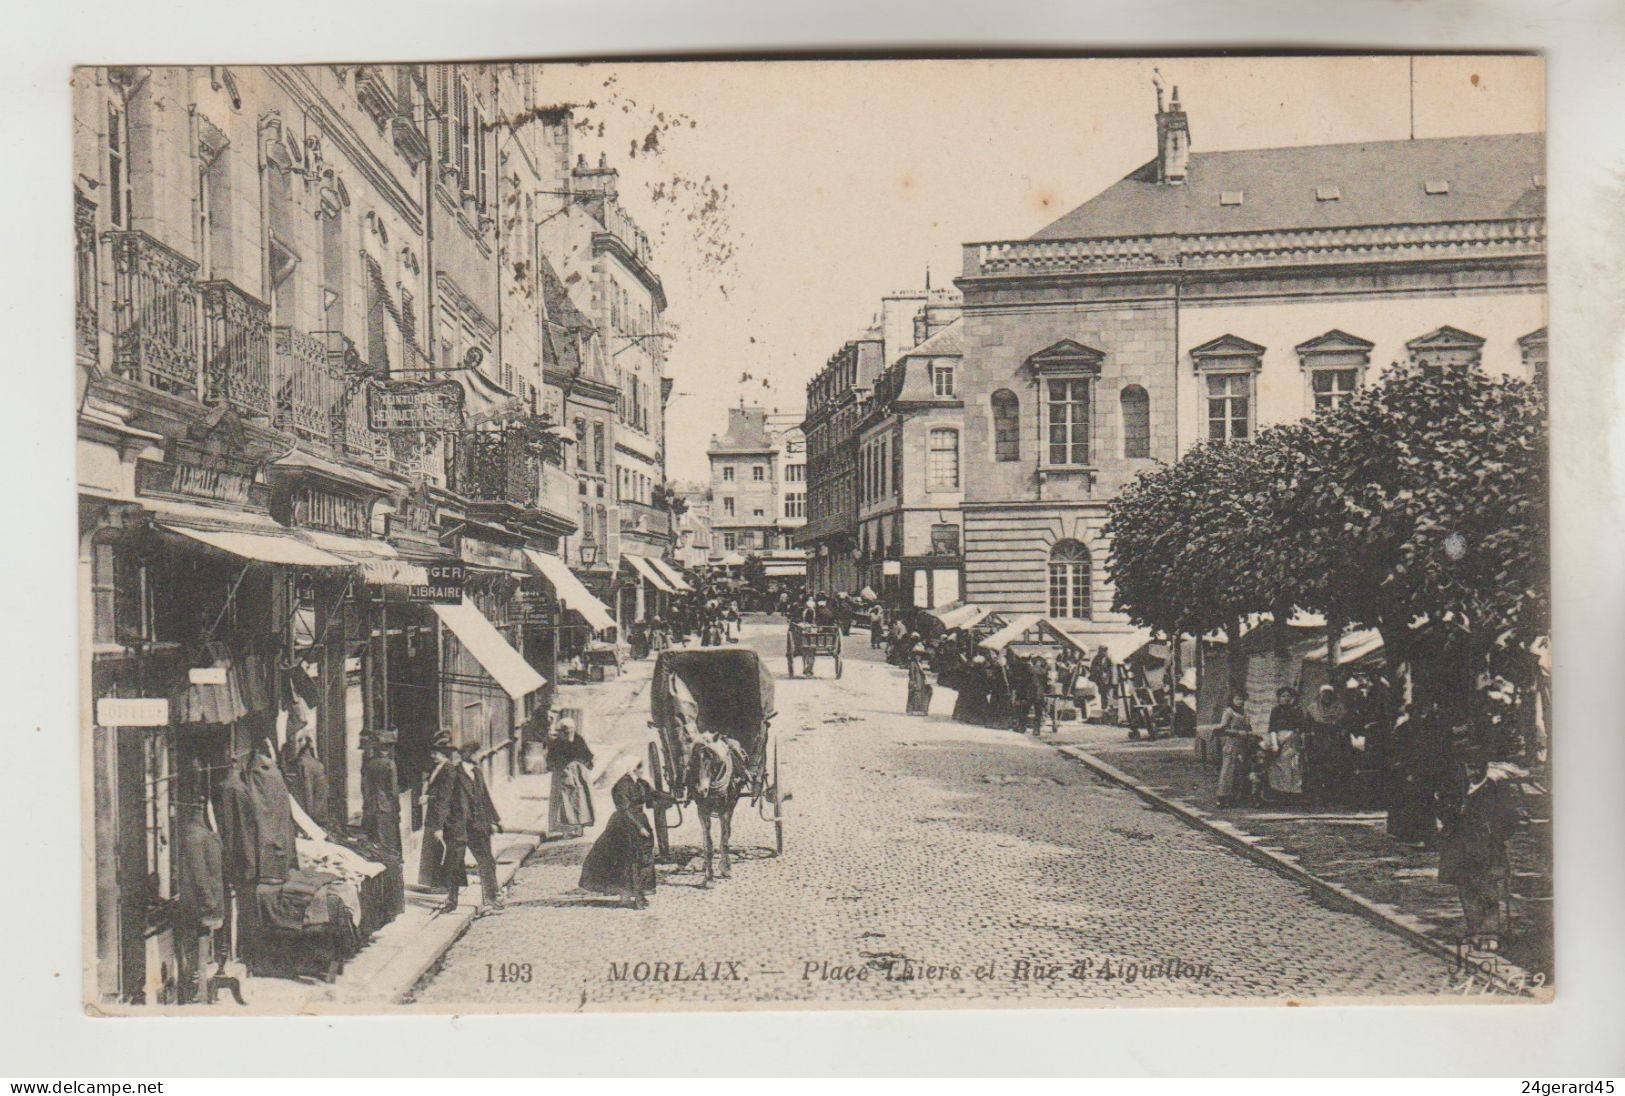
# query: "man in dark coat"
463,817
1473,853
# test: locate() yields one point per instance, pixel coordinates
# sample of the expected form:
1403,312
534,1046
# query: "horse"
717,779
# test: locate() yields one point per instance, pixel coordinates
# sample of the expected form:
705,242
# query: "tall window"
758,473
728,473
1445,348
1136,423
728,507
598,447
1229,406
1006,426
1069,581
1332,387
942,467
730,541
118,167
581,444
942,381
795,505
603,527
1069,421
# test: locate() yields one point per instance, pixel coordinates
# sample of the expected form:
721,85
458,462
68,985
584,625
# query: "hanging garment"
217,704
307,782
263,837
236,828
380,807
201,899
252,682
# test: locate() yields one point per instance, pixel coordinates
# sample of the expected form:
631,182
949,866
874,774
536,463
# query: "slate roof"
1378,182
747,433
945,343
560,349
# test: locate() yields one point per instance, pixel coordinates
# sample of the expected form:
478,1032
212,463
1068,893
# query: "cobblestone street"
926,862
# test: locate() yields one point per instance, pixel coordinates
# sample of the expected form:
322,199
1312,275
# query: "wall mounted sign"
132,711
414,406
218,479
445,585
313,508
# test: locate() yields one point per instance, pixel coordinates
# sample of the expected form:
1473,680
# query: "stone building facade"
1207,295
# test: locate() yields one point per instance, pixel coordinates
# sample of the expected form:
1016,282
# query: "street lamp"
588,552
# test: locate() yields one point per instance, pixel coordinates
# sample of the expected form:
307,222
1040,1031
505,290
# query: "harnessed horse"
717,778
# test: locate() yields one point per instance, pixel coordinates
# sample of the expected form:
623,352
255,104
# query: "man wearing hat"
462,818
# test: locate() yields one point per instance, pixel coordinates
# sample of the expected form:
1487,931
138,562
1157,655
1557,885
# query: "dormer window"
1230,197
1436,186
1327,194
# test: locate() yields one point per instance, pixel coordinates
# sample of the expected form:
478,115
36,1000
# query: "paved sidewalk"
1348,849
399,954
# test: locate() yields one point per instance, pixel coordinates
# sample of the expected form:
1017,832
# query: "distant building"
693,529
837,399
1206,295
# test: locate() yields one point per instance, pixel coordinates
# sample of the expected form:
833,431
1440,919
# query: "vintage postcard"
813,534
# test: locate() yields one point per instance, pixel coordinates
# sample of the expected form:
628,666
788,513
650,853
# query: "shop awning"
376,561
653,577
260,547
569,590
1030,628
732,559
959,616
1012,631
1119,645
1358,644
784,568
506,665
676,580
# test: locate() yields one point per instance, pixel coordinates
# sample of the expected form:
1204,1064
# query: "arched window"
1006,426
1136,423
942,469
1069,581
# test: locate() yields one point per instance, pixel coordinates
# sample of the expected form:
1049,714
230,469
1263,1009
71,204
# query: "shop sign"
891,567
413,515
535,610
445,585
492,554
132,711
314,508
414,406
206,675
221,479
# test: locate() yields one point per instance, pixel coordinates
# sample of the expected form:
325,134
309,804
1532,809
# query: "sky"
846,180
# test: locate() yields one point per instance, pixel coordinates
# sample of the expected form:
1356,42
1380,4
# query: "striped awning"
673,576
505,665
650,575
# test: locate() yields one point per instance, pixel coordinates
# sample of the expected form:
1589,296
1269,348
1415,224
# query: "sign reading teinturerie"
411,406
445,585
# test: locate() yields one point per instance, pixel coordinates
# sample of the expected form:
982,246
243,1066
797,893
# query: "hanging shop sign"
445,586
492,554
132,711
535,610
414,406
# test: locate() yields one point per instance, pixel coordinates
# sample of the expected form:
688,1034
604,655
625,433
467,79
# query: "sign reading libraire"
445,586
412,406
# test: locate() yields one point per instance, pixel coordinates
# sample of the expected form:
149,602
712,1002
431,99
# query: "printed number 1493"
507,972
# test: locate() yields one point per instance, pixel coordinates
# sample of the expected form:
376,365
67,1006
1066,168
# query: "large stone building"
308,360
1205,295
758,491
837,399
616,409
910,465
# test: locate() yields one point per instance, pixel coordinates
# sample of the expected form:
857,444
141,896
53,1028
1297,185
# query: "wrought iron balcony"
495,466
349,409
155,314
306,389
236,349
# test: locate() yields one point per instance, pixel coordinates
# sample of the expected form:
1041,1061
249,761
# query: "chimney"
1173,141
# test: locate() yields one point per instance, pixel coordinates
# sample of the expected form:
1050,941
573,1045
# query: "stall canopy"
732,559
673,579
1029,628
1359,645
506,665
248,536
650,575
570,591
1121,646
959,616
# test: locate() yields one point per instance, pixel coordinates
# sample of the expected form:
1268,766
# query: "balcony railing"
348,412
236,349
155,314
306,388
639,517
494,466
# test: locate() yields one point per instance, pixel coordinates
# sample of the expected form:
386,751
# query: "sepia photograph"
846,533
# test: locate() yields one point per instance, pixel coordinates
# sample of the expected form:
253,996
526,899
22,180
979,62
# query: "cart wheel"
662,839
837,665
778,806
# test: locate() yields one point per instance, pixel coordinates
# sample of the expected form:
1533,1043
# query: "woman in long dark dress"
919,686
1237,747
622,860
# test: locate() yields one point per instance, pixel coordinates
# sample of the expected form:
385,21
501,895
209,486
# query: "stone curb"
1512,979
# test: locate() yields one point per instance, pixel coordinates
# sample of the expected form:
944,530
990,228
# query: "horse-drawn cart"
710,709
808,641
